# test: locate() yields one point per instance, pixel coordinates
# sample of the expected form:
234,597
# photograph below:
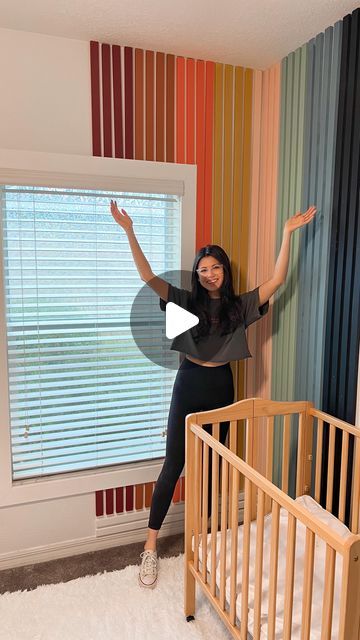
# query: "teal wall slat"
322,93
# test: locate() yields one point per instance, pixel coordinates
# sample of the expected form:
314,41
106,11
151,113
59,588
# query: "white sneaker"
149,569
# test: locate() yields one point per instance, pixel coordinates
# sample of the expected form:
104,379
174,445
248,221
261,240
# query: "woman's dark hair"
230,313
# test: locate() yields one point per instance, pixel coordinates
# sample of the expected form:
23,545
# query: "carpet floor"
65,569
109,606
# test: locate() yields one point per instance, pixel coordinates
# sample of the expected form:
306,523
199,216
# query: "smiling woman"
204,380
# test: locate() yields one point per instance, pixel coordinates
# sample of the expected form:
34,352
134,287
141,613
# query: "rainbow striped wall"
266,145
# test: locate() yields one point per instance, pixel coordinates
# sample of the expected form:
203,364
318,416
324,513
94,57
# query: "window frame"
88,172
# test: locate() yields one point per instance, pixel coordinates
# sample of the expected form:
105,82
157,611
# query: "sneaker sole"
147,586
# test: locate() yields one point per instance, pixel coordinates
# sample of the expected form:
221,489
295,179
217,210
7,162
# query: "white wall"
45,106
45,93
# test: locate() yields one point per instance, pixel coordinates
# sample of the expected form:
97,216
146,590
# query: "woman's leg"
196,388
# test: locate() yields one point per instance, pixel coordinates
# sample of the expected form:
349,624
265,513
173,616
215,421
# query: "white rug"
110,606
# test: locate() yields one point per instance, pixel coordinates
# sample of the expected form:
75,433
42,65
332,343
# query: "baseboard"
111,531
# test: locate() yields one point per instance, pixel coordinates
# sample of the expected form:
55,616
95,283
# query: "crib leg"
189,595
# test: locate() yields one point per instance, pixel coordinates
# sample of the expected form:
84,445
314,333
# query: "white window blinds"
81,394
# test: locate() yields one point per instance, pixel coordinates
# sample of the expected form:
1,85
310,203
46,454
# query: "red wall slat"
106,99
95,98
117,92
129,117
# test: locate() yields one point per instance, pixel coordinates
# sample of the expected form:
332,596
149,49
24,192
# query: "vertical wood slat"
139,496
234,544
300,456
322,86
209,134
218,155
259,561
95,98
228,159
214,508
343,475
148,493
289,578
274,553
269,456
224,499
190,111
129,497
149,106
99,503
233,448
204,511
330,473
319,448
307,585
180,110
106,99
349,623
129,121
160,107
118,108
286,454
139,104
170,108
245,559
237,174
200,150
119,499
197,504
328,596
355,524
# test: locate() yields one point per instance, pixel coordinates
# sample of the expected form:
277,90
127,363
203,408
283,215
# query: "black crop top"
214,347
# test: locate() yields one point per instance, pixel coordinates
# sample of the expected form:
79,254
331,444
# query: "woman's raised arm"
159,285
268,288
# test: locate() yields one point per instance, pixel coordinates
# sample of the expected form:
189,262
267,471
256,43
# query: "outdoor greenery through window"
81,394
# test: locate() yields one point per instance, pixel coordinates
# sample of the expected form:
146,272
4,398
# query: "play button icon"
178,320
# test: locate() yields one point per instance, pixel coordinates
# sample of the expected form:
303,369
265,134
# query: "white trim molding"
74,171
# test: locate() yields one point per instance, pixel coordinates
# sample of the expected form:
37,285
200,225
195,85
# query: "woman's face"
211,275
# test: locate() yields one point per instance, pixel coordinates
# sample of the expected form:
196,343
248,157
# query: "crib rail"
344,438
213,469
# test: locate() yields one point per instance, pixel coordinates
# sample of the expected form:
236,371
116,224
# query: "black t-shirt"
214,347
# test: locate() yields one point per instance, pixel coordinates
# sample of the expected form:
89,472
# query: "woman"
204,379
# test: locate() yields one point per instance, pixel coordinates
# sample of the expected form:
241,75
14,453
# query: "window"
81,394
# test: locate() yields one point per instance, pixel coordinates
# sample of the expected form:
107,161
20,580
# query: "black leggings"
196,388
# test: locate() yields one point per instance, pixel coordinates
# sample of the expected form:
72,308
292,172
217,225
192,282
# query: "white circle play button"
178,320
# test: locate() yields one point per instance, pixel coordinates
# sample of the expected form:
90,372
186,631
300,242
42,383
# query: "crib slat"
214,508
355,498
307,584
319,448
259,561
234,543
330,473
274,553
328,598
245,559
197,510
224,497
233,448
233,436
289,579
286,454
205,495
269,456
300,456
343,475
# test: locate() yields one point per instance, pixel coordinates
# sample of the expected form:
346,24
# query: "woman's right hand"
121,217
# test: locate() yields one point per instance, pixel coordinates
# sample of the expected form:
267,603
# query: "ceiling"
253,33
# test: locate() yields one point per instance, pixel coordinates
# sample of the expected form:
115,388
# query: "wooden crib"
249,567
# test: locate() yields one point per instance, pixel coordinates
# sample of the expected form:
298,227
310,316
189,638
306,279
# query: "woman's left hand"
299,219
